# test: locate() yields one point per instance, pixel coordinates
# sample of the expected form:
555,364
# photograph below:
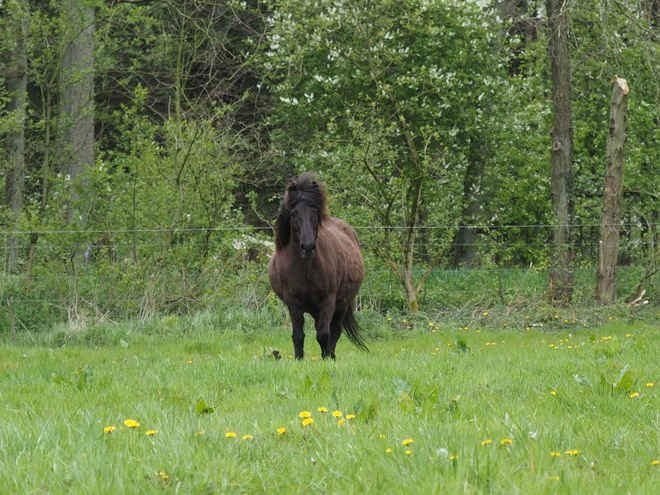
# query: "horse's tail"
353,330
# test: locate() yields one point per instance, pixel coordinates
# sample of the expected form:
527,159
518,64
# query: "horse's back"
341,227
347,249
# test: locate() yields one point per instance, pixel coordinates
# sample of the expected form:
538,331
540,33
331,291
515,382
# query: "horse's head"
303,212
305,228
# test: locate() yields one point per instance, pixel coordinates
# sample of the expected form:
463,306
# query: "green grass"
556,388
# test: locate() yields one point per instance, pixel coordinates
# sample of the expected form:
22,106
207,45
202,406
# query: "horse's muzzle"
307,251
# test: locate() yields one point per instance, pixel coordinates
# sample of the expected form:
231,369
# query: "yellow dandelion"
350,416
163,475
453,457
407,441
281,431
553,392
109,429
408,452
230,434
389,451
337,414
634,394
649,384
486,442
381,436
304,414
340,422
201,432
655,463
485,313
131,423
307,421
151,432
573,452
506,441
430,324
555,454
322,409
189,362
247,437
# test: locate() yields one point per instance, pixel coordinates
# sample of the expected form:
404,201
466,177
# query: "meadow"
522,404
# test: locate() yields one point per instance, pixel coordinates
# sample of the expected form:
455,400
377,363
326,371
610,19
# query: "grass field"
521,407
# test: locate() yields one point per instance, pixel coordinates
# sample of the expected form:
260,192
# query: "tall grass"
558,408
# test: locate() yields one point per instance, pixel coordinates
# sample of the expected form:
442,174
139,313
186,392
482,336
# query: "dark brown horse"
317,267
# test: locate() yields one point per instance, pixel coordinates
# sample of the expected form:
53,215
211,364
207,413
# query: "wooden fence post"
610,225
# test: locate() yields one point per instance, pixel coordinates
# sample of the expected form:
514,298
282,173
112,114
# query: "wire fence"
117,274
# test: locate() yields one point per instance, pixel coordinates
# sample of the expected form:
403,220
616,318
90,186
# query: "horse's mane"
304,189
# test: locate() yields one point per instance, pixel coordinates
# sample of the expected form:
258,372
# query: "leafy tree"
389,100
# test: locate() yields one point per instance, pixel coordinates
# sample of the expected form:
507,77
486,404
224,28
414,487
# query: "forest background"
146,144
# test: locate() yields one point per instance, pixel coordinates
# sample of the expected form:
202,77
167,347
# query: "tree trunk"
610,224
16,84
77,95
561,184
465,243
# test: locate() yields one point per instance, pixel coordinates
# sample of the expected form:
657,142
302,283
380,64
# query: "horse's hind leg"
298,335
336,327
323,327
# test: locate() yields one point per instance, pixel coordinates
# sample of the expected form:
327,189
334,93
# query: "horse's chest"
309,295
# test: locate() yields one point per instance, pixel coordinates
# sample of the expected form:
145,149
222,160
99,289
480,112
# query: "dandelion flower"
453,457
381,436
486,442
553,392
307,421
247,437
555,454
634,394
230,434
322,409
337,414
573,452
131,423
407,441
304,414
408,452
281,431
506,441
655,463
151,432
340,422
109,429
389,451
350,416
201,432
649,384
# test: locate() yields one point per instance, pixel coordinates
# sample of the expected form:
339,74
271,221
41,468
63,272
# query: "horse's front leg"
298,336
326,311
